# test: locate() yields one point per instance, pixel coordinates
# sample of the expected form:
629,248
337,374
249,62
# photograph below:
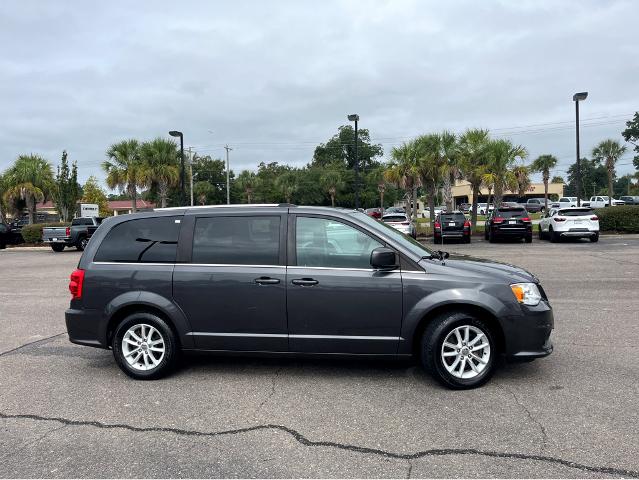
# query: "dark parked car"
508,222
297,280
451,226
630,199
5,235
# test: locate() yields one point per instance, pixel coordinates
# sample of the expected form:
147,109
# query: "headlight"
526,293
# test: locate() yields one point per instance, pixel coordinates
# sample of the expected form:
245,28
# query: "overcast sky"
274,79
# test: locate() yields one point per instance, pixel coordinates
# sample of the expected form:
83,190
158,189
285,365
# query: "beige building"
462,192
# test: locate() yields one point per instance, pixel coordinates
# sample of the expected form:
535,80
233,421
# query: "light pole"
578,97
175,133
228,182
355,118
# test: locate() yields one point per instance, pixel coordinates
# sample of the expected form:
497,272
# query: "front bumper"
527,336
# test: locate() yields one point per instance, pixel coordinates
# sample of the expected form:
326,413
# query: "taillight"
467,223
525,219
438,225
75,285
594,219
68,232
498,219
559,219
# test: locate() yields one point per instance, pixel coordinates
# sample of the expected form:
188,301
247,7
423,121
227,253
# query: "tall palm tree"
124,168
450,166
3,189
544,164
287,183
431,167
247,181
30,179
502,155
609,151
522,174
403,172
159,166
332,182
473,159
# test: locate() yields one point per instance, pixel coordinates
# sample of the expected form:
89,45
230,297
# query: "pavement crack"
533,419
301,439
20,448
410,469
35,342
272,392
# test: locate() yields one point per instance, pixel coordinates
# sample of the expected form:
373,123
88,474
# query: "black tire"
431,349
171,351
491,237
82,243
541,234
554,236
57,247
3,245
467,239
528,238
594,238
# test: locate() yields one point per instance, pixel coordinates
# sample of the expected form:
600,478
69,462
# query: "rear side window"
144,240
512,213
237,240
577,212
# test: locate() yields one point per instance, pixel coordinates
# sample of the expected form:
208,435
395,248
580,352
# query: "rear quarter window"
142,240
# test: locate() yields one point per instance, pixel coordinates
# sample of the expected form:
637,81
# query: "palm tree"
3,189
160,166
124,168
544,164
332,182
431,167
30,179
609,152
522,174
502,155
247,181
450,166
287,184
403,172
472,151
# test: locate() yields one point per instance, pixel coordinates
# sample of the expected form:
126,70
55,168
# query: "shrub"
622,219
32,233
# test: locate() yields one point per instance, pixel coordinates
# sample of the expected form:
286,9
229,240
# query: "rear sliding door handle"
267,281
304,282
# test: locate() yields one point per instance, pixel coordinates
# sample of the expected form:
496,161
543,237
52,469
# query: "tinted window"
328,243
576,212
141,240
237,240
77,221
394,218
511,213
3,228
453,217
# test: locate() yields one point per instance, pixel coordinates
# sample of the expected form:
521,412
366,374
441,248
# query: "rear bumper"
588,233
65,240
512,232
85,328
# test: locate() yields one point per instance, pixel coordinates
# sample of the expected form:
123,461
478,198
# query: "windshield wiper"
437,255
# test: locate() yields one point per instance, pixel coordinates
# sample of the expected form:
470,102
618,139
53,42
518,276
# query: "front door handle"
304,282
267,281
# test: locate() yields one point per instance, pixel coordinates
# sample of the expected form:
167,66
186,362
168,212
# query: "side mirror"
383,258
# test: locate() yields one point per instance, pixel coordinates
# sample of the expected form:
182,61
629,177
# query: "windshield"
577,212
394,218
405,241
511,213
446,217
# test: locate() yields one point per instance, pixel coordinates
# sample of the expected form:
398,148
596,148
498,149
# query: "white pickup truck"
601,201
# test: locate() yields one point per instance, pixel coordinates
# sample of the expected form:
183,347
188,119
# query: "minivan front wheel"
144,346
458,350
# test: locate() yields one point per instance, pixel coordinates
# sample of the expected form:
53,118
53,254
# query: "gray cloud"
273,79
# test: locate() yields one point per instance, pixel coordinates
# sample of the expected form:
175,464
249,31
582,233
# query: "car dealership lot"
69,411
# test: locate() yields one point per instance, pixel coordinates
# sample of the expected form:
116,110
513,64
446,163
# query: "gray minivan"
285,279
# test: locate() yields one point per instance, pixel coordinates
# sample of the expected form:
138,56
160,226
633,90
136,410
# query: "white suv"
574,222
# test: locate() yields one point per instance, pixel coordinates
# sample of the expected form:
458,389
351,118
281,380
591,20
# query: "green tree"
451,170
557,179
202,191
160,166
124,169
213,171
403,171
473,153
66,192
502,155
594,179
287,184
341,148
93,193
544,164
522,176
331,181
432,168
247,181
608,152
631,134
30,179
3,203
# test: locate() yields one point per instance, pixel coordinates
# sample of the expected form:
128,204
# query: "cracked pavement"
67,411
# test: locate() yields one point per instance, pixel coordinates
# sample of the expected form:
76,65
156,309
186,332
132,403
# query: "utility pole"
191,173
228,181
578,97
355,118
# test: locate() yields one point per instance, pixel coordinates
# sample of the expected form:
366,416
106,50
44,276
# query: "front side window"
328,243
237,240
143,240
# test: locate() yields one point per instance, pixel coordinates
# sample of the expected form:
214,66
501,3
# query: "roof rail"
235,205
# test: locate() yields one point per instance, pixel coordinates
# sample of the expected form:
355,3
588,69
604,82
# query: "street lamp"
175,133
578,97
355,118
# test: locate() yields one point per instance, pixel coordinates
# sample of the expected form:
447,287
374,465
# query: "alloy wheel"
143,347
465,352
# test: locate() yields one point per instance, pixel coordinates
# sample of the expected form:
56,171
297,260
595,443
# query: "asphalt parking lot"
68,411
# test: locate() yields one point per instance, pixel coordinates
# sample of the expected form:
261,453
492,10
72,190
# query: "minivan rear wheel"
458,349
144,346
